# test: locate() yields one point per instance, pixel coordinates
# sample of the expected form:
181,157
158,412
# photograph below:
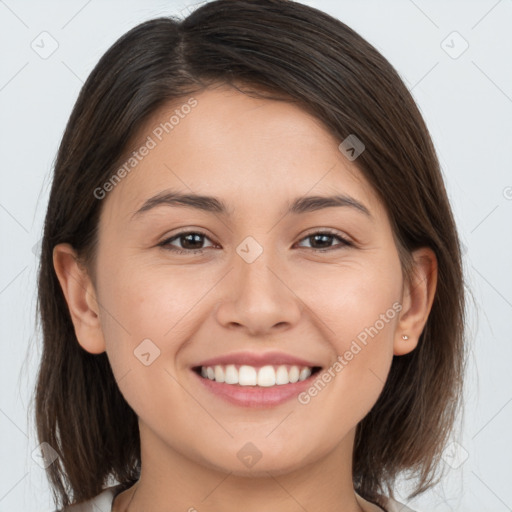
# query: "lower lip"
256,396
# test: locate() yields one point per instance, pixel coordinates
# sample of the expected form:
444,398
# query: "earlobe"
418,296
80,296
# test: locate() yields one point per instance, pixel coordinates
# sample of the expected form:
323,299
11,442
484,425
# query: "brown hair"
300,54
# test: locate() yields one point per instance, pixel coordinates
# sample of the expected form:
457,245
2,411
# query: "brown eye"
321,241
189,240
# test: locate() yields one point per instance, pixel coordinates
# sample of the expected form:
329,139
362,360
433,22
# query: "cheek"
149,303
146,314
355,297
359,308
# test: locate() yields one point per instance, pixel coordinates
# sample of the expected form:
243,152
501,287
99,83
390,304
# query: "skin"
257,156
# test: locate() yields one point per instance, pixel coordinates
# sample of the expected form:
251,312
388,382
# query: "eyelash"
165,244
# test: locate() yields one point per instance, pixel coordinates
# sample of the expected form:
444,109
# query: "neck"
171,482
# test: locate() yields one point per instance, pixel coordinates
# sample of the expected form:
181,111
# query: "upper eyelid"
345,240
317,231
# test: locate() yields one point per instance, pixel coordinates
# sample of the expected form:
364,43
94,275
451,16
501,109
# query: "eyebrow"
212,204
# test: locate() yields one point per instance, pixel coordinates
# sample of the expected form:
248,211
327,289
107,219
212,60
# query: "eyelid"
329,231
344,240
184,232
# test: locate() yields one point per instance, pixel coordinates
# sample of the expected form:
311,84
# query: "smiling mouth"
252,376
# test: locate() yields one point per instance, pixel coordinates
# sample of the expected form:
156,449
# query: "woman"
202,347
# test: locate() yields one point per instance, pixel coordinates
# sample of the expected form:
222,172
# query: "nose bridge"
259,298
256,268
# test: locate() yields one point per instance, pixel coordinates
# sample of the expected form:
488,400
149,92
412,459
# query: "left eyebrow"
214,205
312,203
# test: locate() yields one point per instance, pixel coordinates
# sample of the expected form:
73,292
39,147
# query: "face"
258,271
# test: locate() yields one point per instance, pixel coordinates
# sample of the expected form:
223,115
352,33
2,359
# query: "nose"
259,298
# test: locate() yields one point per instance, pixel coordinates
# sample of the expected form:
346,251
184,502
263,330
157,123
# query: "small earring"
405,337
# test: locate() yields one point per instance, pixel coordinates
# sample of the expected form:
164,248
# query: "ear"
80,296
418,296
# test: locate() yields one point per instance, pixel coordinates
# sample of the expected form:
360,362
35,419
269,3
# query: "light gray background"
466,100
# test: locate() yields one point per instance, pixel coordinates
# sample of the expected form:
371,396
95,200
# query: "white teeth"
266,376
282,375
231,375
219,373
247,376
294,374
304,373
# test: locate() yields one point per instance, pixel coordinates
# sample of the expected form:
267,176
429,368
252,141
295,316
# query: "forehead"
250,151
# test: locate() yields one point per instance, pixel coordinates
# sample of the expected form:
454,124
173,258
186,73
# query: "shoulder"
396,506
100,503
389,505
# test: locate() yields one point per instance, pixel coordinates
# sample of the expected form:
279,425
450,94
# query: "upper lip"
258,359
